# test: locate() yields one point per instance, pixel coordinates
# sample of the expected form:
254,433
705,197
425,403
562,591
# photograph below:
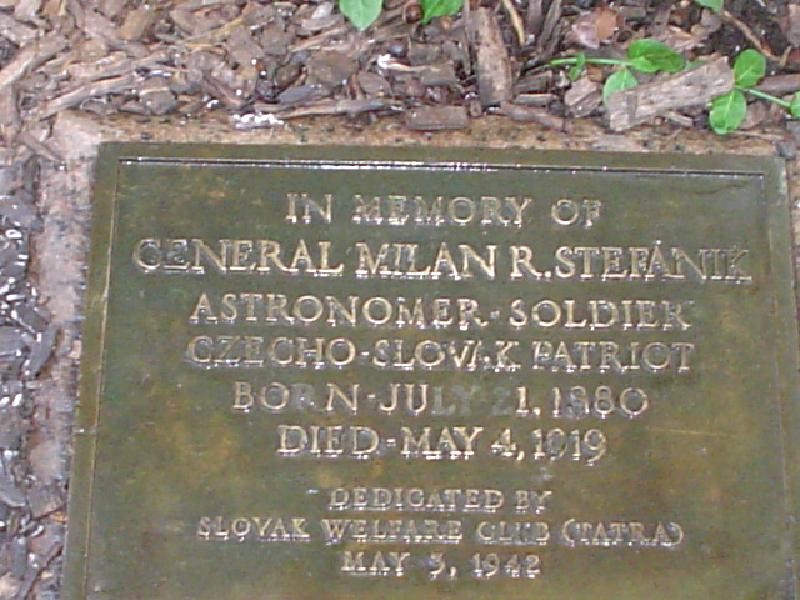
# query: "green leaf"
439,8
794,105
580,64
362,13
715,5
650,56
727,112
749,68
618,81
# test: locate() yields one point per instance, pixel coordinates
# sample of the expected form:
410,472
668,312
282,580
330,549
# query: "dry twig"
516,21
751,37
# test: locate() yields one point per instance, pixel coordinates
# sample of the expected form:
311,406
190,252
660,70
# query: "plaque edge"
787,355
84,434
662,162
770,169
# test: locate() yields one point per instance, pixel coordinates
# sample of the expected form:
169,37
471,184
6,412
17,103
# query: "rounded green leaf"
727,112
362,13
618,81
650,56
794,105
439,8
749,68
715,5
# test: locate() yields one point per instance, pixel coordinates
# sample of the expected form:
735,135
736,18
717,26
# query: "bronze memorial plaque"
377,373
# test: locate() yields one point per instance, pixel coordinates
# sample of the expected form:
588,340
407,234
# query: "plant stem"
557,62
765,96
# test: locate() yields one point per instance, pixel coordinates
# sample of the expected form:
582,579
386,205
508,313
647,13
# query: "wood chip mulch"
267,62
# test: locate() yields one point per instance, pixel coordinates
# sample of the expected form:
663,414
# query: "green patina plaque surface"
392,374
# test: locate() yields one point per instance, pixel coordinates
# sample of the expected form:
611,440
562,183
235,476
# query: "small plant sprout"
729,110
363,13
645,56
715,5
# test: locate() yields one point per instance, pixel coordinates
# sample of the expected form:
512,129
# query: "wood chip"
661,19
223,84
436,118
442,74
45,499
111,8
679,119
137,22
699,86
25,10
257,15
30,57
275,40
534,17
330,68
373,84
199,19
494,70
17,32
780,84
546,44
682,41
593,28
242,47
535,99
301,93
75,96
633,13
517,112
321,40
322,17
793,25
757,113
9,116
156,97
96,25
535,82
583,97
423,54
114,65
338,107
